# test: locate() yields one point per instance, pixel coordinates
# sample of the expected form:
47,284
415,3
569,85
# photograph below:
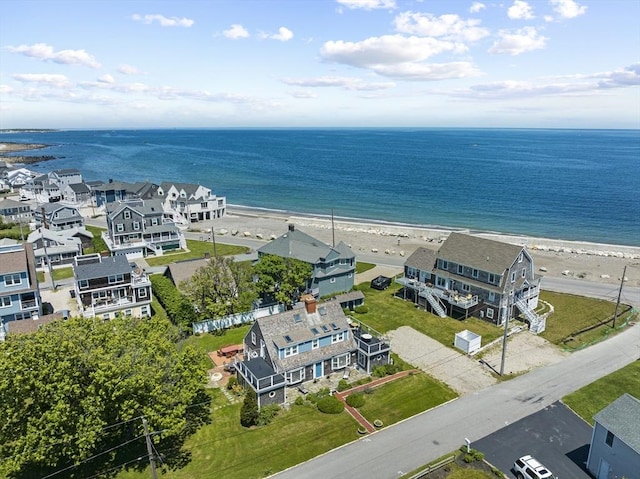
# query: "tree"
64,387
284,278
178,307
249,412
221,287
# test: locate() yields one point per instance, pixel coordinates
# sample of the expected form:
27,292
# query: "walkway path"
342,396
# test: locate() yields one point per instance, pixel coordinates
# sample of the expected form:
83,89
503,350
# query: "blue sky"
327,63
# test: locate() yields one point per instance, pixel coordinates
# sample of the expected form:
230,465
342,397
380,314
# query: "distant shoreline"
10,147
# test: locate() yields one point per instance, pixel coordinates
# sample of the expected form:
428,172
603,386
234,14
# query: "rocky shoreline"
8,147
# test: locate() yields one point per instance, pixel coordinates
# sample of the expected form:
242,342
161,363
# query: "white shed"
467,341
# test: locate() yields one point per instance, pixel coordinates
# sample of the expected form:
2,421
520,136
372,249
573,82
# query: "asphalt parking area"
555,436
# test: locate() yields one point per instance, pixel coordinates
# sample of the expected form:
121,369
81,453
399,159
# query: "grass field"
98,244
62,273
592,398
361,267
197,249
212,342
408,396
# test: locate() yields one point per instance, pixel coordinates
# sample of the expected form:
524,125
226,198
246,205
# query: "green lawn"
224,449
98,243
361,267
386,312
212,342
573,313
62,273
197,249
404,398
592,398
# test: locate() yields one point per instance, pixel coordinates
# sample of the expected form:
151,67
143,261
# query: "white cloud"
568,8
107,79
368,4
450,26
429,71
46,52
283,35
45,79
236,31
348,83
128,70
304,95
514,43
476,7
5,88
163,21
520,10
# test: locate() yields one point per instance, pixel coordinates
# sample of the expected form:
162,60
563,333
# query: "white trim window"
5,301
253,338
341,361
12,279
294,376
460,269
127,214
315,344
136,225
332,280
337,338
492,278
492,296
142,293
465,287
119,227
524,272
290,351
474,273
513,277
489,313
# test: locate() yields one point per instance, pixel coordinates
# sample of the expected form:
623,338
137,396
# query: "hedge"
178,307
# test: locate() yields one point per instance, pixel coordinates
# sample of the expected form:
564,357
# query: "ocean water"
565,184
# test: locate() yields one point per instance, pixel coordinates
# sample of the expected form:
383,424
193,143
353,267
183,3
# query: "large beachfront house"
304,344
107,285
15,212
474,276
58,247
19,291
64,177
615,442
334,268
138,227
57,217
188,203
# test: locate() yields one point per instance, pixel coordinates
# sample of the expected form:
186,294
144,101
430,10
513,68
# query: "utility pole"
615,316
504,337
152,459
333,230
213,239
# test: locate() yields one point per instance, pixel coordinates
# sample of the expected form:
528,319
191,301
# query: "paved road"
405,446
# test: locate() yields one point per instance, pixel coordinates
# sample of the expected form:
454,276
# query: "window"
460,269
12,279
105,316
492,278
332,280
315,344
466,288
99,295
290,351
204,205
5,301
340,362
513,277
142,293
127,214
609,439
520,257
524,272
294,376
272,394
154,221
445,264
116,278
119,227
253,338
492,296
441,282
474,273
144,311
489,313
83,283
136,225
127,312
337,338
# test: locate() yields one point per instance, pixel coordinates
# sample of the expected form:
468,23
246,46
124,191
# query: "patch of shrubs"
355,400
343,385
386,370
330,405
267,413
232,382
472,456
299,401
315,397
178,307
361,309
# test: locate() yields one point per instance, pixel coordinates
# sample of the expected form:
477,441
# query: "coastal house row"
105,286
19,290
58,248
305,344
333,268
474,276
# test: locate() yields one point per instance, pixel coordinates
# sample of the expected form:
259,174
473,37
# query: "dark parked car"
381,283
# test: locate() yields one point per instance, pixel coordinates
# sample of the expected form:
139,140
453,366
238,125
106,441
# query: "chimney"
292,227
309,303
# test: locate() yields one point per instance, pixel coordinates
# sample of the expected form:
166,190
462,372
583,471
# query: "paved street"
403,447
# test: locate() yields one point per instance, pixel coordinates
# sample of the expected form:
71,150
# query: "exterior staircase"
537,324
434,302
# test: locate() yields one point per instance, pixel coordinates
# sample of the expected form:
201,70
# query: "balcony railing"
29,304
456,298
270,382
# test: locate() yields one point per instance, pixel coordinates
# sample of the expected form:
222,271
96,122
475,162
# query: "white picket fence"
236,319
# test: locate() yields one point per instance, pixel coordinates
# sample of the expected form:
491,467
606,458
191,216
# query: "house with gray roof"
57,217
57,247
108,192
334,267
12,211
139,227
107,285
76,193
304,344
615,442
189,203
474,276
66,176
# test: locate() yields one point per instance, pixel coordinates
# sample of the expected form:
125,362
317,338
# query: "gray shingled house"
57,217
474,276
615,442
304,344
334,267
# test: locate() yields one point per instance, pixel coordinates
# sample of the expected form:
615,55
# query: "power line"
137,459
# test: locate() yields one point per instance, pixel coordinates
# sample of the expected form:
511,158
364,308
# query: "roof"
616,417
79,188
25,326
9,203
67,171
189,188
297,326
481,253
259,368
299,245
422,258
50,208
350,296
143,207
103,266
13,259
112,185
183,270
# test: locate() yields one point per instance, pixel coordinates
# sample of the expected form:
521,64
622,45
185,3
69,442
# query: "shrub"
361,309
179,309
330,405
477,455
232,382
343,385
315,397
249,411
355,400
299,401
468,458
267,413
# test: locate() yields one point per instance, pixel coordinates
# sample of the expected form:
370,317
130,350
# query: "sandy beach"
596,262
